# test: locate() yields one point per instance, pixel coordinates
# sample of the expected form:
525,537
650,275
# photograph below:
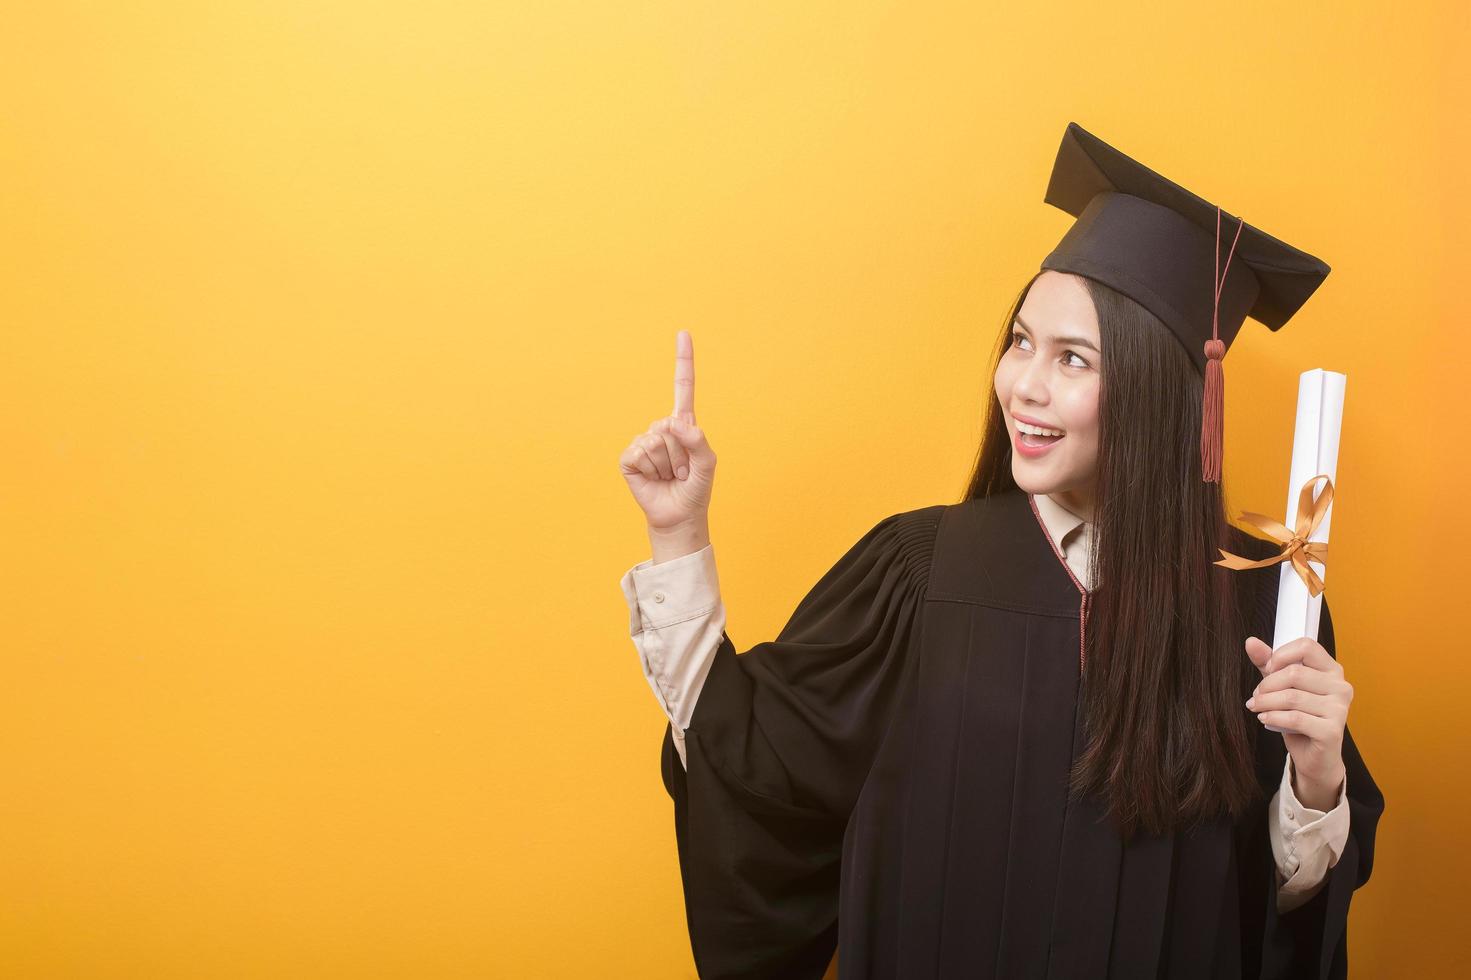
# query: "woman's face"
1049,377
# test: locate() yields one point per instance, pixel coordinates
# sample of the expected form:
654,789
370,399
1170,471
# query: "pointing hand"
670,467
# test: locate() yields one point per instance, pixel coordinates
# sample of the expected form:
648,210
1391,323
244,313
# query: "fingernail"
682,472
1251,703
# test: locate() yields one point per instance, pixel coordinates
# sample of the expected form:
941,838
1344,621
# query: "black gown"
889,778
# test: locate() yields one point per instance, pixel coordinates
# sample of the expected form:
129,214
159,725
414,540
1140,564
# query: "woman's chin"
1030,480
1031,476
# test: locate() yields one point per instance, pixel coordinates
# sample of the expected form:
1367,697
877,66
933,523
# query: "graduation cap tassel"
1213,404
1212,412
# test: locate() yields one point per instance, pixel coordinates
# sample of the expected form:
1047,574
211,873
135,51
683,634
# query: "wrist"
678,540
1318,793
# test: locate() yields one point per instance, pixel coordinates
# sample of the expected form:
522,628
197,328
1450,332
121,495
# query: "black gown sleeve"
1312,939
778,747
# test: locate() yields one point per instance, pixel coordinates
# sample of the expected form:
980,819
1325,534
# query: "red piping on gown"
1082,609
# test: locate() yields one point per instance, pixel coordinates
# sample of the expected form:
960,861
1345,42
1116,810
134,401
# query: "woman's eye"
1017,340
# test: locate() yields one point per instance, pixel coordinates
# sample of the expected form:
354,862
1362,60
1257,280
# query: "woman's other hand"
1303,692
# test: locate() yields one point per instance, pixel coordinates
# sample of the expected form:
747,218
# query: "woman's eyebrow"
1079,341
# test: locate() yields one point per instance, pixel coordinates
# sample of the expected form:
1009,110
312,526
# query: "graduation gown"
888,777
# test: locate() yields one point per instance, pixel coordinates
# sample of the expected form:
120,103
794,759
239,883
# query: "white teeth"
1036,430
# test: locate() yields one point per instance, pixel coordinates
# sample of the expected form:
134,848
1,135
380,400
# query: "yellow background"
322,326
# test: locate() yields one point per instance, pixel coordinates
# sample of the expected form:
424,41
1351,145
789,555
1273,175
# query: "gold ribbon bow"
1295,544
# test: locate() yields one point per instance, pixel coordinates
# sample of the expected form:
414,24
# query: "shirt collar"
1059,520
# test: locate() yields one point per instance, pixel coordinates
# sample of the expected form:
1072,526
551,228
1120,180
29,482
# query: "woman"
968,753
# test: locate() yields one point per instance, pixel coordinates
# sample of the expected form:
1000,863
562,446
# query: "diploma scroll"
1314,452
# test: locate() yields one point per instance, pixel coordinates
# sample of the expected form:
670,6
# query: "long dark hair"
1169,742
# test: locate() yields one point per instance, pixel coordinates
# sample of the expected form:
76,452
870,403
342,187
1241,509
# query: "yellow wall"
322,326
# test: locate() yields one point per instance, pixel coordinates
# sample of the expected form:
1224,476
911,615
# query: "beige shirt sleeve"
676,620
1306,843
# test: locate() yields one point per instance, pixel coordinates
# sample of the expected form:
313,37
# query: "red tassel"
1213,399
1213,412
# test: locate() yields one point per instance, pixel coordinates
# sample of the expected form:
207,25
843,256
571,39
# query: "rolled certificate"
1314,452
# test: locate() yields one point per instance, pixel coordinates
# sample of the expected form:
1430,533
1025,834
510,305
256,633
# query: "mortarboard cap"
1159,244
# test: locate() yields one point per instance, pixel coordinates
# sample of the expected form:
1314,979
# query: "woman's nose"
1031,384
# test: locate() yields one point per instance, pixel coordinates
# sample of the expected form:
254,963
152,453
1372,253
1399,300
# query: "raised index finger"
684,377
